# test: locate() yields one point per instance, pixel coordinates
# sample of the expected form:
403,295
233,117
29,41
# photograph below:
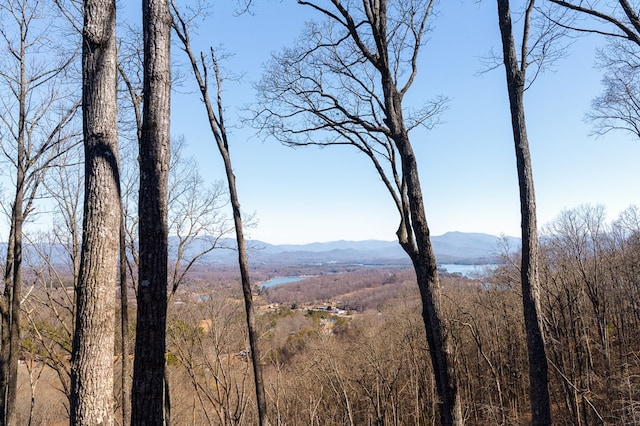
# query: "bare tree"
215,114
93,341
130,107
148,393
617,108
565,261
36,112
56,264
345,83
207,342
196,216
130,70
125,366
516,69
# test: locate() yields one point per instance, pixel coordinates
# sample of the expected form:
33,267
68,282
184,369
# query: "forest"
367,365
111,315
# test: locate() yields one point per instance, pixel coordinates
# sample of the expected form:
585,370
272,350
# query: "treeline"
371,369
590,305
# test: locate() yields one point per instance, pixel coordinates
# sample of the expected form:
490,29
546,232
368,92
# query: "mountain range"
452,247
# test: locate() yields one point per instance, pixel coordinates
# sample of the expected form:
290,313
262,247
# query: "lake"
469,271
281,280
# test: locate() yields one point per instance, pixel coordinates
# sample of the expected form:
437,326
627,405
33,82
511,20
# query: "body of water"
469,271
281,280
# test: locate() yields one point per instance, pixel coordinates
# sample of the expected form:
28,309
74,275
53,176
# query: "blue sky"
467,164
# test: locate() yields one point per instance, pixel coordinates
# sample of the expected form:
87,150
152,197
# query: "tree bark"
149,362
10,308
515,74
414,237
424,264
93,341
246,289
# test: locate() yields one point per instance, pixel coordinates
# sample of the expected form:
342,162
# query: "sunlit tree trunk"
515,73
93,342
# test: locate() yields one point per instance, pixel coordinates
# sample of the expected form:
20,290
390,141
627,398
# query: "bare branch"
631,34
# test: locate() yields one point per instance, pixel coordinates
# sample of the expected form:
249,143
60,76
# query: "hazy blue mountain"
452,247
366,245
469,246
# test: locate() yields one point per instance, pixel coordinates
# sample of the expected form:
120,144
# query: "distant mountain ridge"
452,247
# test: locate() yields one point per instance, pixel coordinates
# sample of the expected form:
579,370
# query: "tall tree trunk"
9,351
414,237
216,123
93,341
14,337
424,263
149,362
246,288
5,334
515,73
